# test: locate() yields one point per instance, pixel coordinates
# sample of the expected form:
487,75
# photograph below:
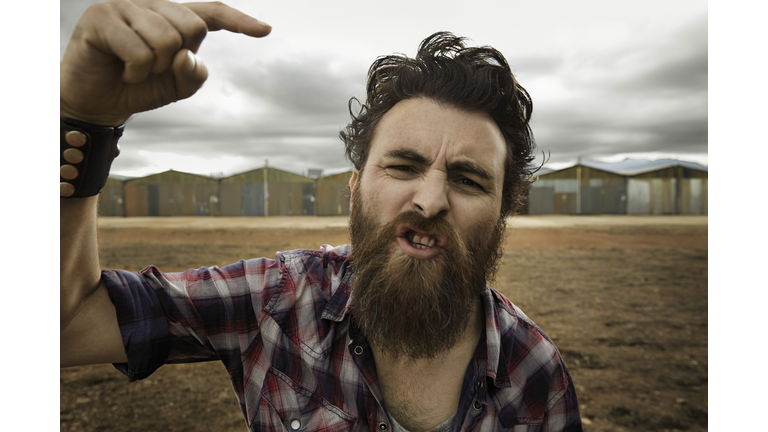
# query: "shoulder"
310,266
529,364
310,276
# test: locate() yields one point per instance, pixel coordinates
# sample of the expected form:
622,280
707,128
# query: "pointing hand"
129,56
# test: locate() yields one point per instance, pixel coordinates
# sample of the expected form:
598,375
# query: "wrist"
109,120
86,152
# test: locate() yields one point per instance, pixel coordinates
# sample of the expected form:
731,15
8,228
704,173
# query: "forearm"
79,273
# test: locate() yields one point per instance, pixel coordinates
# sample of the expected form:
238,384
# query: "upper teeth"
424,241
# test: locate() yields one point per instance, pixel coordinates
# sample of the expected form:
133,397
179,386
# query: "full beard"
412,307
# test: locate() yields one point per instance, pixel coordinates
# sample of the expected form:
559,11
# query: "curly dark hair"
475,79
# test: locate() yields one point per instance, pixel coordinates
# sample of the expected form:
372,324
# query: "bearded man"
398,331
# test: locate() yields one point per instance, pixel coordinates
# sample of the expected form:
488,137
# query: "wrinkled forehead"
440,133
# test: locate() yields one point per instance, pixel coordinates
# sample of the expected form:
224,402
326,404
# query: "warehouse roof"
630,167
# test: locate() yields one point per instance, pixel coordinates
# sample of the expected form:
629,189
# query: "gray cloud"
302,87
650,94
535,65
650,97
302,107
680,65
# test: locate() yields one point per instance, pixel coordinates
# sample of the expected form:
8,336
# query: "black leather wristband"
98,147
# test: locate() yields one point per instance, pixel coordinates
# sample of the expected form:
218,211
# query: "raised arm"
124,57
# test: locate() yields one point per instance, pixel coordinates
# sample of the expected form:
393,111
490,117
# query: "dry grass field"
624,298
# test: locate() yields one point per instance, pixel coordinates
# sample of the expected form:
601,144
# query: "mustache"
432,226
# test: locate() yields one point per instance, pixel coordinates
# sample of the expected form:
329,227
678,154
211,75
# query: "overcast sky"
608,79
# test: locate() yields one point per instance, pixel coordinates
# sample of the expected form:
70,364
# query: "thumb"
189,72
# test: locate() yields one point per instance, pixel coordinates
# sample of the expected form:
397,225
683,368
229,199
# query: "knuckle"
144,57
99,10
118,3
198,27
175,42
172,42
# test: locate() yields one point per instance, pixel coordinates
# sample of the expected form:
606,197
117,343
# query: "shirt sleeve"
563,414
198,315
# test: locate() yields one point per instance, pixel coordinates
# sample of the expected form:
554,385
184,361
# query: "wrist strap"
87,152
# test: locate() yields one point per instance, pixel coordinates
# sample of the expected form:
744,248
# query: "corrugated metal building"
578,190
664,186
172,193
112,197
267,191
333,195
670,189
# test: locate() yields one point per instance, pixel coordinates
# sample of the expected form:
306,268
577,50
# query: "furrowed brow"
407,154
470,168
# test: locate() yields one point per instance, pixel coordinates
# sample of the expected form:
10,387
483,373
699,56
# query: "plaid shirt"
282,329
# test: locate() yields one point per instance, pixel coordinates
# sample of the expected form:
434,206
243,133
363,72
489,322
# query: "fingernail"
191,60
267,27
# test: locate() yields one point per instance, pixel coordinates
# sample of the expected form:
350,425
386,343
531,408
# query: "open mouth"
421,241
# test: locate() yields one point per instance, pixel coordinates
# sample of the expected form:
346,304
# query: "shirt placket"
363,358
473,403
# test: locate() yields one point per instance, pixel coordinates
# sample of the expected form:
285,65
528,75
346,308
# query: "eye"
469,183
401,168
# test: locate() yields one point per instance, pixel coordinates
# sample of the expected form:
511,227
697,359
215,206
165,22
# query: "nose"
431,197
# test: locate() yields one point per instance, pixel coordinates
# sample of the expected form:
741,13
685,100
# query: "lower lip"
409,249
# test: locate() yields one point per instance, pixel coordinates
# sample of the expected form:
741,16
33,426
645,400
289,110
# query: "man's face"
425,224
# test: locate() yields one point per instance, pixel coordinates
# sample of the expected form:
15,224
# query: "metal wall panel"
231,201
662,195
332,198
280,199
205,200
165,199
615,199
153,200
112,199
638,197
685,196
253,199
656,187
285,199
543,183
307,199
130,199
565,203
590,200
695,196
142,207
564,186
603,199
186,193
541,200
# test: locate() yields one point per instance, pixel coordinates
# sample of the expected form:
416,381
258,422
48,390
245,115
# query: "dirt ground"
624,298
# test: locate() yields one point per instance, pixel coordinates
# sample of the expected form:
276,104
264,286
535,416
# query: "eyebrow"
471,168
465,166
407,154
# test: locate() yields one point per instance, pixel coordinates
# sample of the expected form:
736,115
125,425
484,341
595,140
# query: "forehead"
440,132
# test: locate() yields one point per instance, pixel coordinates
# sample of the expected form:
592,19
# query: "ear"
353,184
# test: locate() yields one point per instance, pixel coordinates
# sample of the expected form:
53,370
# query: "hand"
129,56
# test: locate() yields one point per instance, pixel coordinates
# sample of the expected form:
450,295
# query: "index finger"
219,16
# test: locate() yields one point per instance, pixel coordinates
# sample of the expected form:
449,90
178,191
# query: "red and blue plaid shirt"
282,329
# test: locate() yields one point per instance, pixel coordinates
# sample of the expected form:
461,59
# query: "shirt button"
295,424
383,426
477,405
358,351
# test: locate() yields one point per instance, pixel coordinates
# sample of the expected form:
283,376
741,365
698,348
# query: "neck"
422,393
